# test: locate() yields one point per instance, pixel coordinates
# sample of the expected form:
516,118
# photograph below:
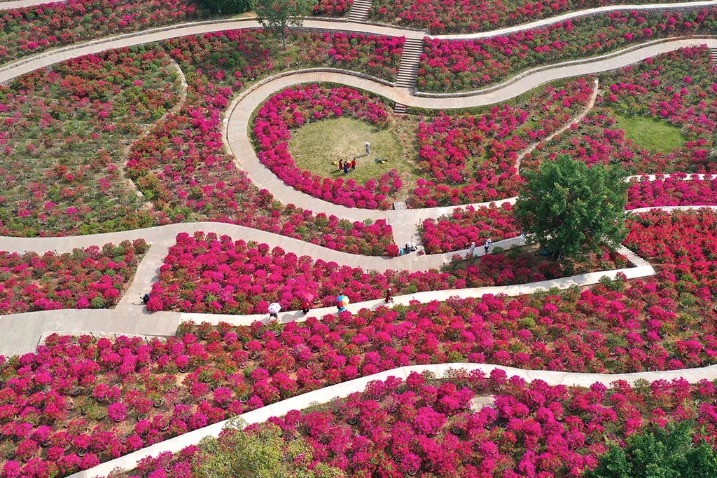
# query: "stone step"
399,108
359,10
407,72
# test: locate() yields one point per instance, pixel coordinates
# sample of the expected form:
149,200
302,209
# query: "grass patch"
651,134
317,147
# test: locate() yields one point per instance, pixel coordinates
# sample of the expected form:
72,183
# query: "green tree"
227,6
279,15
570,208
668,452
262,452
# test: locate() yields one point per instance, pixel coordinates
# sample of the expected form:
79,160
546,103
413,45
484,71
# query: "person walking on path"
367,147
346,167
274,309
389,296
487,246
341,164
353,164
472,250
305,305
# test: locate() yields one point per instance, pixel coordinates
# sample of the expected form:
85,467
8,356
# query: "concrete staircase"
713,55
399,108
359,11
407,72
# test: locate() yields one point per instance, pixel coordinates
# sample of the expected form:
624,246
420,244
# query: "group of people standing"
486,248
347,166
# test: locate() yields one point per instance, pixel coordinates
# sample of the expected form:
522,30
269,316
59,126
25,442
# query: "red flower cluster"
333,8
461,16
84,278
84,111
33,29
472,158
469,64
183,168
673,88
206,273
463,226
675,190
426,427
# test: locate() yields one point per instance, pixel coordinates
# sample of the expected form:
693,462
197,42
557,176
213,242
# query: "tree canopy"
279,15
227,6
570,208
261,452
668,452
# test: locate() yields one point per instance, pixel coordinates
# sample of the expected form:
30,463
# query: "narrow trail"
573,121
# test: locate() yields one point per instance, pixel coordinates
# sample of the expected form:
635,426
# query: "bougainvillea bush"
676,190
93,277
30,30
474,424
207,273
453,16
463,226
64,136
676,88
450,65
182,165
469,158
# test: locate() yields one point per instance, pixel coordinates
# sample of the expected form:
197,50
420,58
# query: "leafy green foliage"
570,208
659,453
279,15
227,6
262,452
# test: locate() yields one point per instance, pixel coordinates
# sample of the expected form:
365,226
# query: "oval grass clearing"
317,147
651,134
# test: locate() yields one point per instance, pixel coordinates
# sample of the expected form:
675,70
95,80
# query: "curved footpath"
22,331
344,389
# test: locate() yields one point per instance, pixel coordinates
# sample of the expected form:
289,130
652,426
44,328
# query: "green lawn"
651,134
317,147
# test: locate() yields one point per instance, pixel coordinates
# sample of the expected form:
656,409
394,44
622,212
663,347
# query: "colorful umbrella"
274,308
342,301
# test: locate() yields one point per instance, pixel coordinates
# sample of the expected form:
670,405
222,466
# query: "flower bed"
296,106
333,8
63,141
442,17
57,400
30,30
182,165
463,226
81,279
673,88
206,273
452,65
429,428
472,158
672,191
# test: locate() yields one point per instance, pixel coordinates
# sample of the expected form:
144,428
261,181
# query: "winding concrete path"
21,331
343,390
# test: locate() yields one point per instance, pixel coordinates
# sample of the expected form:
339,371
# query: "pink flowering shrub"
472,157
34,29
451,65
296,106
332,8
470,16
63,139
463,226
674,88
429,428
675,190
207,273
183,167
93,277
